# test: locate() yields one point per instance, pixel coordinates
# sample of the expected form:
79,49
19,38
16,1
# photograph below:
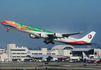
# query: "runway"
50,65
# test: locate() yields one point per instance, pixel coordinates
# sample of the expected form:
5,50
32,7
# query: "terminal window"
40,53
13,53
53,53
18,53
48,53
1,50
17,49
13,56
36,53
18,56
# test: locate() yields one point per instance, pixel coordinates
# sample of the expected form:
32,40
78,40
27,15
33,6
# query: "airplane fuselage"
40,33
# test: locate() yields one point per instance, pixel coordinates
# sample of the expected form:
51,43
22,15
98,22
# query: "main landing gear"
49,42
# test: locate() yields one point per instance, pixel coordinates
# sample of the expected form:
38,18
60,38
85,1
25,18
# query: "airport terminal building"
14,53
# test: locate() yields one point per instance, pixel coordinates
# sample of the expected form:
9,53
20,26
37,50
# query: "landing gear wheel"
49,42
7,29
52,42
44,41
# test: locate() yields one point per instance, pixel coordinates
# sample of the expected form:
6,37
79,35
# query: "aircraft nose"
3,23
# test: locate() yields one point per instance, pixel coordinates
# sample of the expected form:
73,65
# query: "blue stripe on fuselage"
9,26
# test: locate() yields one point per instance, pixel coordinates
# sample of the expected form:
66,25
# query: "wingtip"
81,32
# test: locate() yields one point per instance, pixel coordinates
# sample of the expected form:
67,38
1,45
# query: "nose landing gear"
7,29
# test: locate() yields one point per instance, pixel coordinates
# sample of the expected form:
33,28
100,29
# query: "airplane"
29,54
49,36
90,59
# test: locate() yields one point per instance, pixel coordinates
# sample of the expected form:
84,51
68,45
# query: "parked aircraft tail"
28,52
88,38
84,55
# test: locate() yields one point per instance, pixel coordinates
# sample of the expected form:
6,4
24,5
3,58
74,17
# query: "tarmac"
50,65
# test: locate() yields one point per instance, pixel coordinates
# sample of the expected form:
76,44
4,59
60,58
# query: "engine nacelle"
32,36
58,35
43,35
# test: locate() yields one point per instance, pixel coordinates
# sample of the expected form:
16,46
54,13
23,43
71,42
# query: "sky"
61,16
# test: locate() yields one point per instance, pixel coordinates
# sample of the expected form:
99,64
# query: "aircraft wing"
56,35
66,35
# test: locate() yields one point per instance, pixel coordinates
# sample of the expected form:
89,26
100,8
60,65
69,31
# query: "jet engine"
58,35
43,35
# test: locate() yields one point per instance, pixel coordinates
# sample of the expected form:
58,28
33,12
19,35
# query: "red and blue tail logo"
89,36
28,52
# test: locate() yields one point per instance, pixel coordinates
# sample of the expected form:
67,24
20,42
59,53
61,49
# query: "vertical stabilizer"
28,52
88,38
84,56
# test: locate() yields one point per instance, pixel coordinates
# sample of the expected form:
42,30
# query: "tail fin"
88,38
28,52
84,55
